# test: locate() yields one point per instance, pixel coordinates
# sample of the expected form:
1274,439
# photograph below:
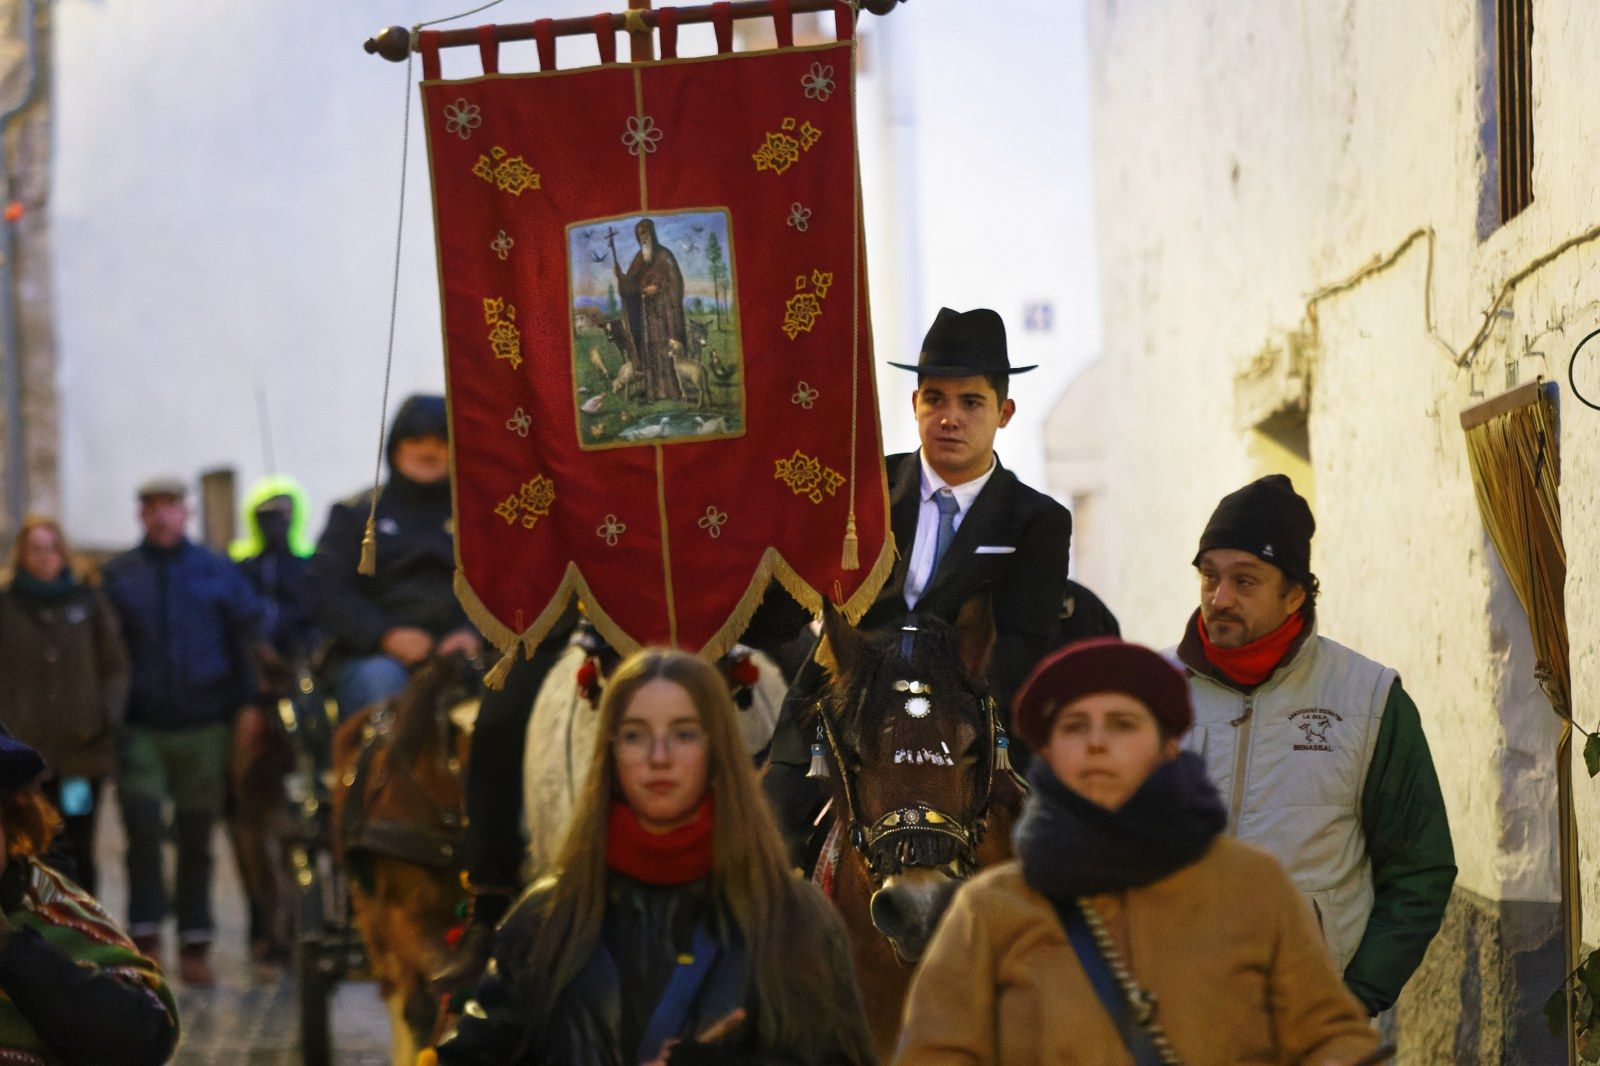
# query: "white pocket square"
993,549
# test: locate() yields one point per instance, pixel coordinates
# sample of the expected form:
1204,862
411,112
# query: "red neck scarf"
1251,663
675,857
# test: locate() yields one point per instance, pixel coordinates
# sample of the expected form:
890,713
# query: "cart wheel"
315,972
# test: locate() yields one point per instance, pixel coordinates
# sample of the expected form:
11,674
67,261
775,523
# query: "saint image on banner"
652,301
657,354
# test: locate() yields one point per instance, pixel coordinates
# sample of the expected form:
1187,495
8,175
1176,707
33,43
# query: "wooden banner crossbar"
395,43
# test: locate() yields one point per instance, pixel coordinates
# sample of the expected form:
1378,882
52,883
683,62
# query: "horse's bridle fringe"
918,835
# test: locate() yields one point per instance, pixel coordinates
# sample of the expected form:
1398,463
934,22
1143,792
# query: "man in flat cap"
1317,750
964,525
190,620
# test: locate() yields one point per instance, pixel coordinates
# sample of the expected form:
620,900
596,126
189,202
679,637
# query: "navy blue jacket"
189,618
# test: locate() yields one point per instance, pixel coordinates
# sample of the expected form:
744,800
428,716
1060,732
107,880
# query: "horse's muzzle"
908,907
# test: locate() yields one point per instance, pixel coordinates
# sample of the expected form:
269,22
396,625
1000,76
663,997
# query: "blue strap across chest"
1106,989
672,1013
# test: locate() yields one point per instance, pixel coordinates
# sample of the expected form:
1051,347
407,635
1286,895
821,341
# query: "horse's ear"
975,634
842,646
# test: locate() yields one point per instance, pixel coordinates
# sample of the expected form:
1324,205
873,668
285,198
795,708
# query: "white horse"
561,738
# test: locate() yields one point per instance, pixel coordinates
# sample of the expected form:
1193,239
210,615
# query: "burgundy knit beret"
1106,664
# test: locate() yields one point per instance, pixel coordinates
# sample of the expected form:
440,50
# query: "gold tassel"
427,1057
852,545
368,566
496,677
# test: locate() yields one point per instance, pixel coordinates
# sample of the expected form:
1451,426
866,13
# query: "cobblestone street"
251,1015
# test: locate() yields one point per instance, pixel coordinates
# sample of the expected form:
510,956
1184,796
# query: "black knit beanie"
1268,519
421,415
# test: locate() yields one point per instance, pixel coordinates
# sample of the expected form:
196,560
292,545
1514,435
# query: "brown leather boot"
193,968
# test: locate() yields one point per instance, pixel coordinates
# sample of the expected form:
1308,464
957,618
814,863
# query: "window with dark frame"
1514,53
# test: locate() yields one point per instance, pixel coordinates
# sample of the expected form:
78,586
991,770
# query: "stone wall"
1248,156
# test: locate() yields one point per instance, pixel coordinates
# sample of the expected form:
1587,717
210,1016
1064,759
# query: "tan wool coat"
1227,946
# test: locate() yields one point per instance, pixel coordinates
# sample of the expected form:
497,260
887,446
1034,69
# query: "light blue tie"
945,500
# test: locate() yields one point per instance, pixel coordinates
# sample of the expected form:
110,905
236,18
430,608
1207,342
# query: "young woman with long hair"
670,927
1129,927
66,679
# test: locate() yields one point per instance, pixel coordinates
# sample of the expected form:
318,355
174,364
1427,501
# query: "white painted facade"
1249,154
225,202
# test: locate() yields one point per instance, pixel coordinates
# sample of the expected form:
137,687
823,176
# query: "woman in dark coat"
671,928
66,680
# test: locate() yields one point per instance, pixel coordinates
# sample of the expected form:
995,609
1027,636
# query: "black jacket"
414,585
599,1019
1027,585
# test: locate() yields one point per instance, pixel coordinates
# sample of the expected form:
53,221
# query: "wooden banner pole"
394,43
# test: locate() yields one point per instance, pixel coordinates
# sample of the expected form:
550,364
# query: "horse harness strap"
388,836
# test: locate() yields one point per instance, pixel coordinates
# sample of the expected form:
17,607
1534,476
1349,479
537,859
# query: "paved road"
250,1017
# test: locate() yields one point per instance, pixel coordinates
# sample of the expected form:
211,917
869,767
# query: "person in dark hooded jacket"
382,626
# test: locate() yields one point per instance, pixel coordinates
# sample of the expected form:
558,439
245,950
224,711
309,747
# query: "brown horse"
397,822
912,744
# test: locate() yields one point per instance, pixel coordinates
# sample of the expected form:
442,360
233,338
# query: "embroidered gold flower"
508,174
505,340
529,503
779,153
807,477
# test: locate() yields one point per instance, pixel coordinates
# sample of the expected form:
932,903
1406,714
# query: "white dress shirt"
920,570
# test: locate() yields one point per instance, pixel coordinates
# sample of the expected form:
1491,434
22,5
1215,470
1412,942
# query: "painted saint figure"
652,307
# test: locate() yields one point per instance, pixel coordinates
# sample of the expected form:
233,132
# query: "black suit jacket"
1026,586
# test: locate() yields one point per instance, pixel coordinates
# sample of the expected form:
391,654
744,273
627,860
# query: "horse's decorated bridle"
918,835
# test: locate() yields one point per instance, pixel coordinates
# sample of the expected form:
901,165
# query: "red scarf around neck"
675,857
1251,663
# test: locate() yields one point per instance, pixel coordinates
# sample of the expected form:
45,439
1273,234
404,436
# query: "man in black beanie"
1318,750
382,626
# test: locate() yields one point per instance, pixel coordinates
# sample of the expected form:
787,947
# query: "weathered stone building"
1302,239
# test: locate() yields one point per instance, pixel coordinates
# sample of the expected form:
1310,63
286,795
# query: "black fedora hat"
961,344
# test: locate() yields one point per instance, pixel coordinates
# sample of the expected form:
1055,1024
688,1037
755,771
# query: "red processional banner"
656,340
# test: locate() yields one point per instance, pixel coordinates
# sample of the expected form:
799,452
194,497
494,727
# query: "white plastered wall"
1248,154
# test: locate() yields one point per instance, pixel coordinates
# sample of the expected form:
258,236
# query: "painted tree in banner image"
613,305
719,267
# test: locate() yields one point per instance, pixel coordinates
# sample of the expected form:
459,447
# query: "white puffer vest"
1290,760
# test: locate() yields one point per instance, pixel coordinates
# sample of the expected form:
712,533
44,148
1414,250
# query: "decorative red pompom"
745,672
13,210
587,675
453,936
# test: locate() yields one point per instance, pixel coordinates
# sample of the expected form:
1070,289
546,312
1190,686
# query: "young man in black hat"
1318,750
963,524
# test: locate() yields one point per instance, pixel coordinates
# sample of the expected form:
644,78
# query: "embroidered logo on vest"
1314,723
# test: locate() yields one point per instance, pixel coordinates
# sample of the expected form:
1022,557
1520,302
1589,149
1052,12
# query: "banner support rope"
368,563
